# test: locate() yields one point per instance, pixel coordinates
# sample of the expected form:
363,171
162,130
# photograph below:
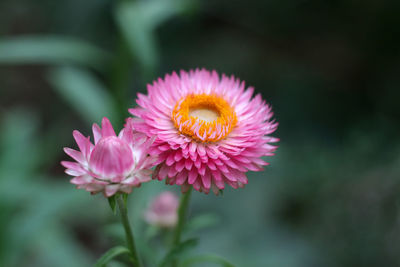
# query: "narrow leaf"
110,254
138,20
50,50
125,198
81,89
113,203
201,221
206,259
178,251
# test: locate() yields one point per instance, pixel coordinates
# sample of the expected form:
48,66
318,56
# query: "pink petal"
76,155
111,190
181,177
79,180
188,164
83,143
96,133
192,176
206,180
163,172
107,129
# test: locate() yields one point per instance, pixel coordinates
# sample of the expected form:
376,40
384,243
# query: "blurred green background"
329,68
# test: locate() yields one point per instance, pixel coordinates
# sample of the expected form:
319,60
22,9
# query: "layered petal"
208,130
114,163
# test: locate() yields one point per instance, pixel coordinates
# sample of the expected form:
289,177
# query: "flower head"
209,130
163,210
113,164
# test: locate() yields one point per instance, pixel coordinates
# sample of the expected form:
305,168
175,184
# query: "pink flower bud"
113,164
111,158
163,210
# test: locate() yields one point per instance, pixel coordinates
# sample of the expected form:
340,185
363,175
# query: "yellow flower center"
205,118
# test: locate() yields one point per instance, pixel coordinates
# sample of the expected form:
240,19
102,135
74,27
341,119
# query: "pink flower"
113,164
163,211
209,130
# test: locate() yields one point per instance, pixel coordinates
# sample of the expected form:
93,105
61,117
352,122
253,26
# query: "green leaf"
113,203
204,259
176,252
84,92
151,232
201,221
62,244
125,198
50,50
17,138
138,20
110,254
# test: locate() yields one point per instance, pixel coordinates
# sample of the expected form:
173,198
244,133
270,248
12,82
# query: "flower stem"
128,232
182,211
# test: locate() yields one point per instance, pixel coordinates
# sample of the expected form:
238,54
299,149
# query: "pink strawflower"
163,211
209,130
113,164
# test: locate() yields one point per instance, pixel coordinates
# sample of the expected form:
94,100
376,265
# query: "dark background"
330,70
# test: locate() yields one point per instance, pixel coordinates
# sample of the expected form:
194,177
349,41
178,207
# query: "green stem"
182,211
128,232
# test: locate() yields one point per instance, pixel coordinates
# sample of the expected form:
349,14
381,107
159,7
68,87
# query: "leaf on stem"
138,20
201,221
210,258
113,203
50,50
177,251
110,254
84,92
125,198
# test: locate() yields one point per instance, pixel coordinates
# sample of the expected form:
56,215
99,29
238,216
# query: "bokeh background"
330,69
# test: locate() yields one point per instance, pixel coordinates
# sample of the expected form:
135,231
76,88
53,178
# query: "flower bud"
113,163
111,158
163,210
